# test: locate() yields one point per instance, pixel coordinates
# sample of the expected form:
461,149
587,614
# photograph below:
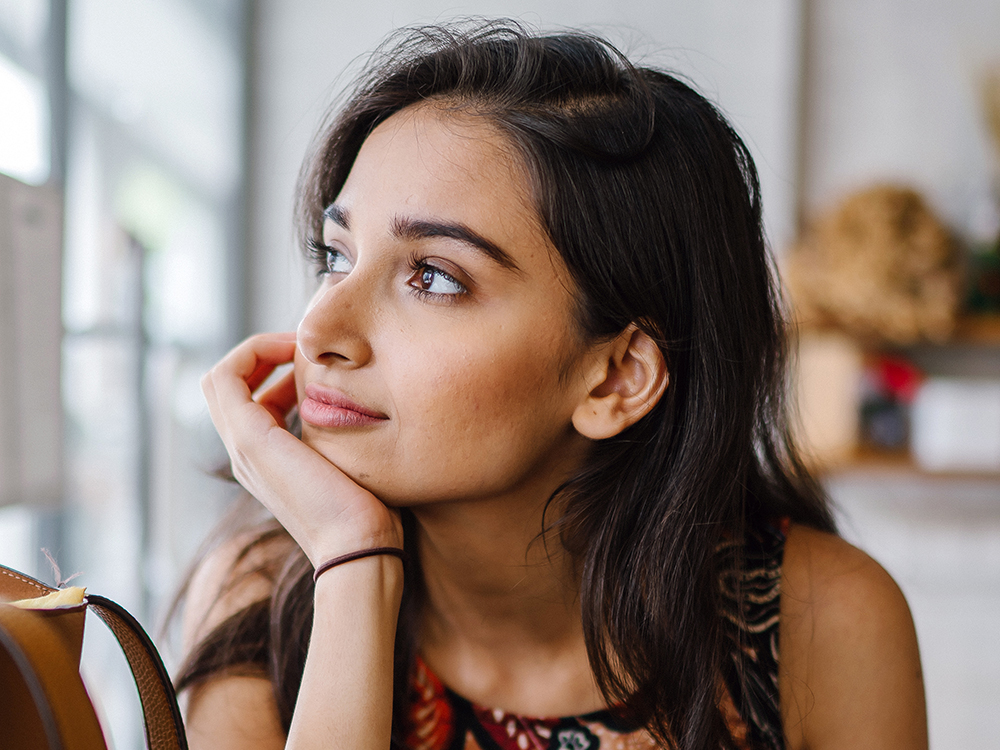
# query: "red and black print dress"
443,720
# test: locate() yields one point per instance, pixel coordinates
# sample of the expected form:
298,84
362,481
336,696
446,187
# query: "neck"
501,624
487,567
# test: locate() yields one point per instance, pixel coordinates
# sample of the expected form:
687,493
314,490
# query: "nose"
334,327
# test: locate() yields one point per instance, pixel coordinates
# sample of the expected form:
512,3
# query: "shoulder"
233,575
829,580
231,710
850,669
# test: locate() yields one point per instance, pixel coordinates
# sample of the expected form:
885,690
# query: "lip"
326,407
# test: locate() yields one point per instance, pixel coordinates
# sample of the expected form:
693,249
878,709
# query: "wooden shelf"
983,330
976,335
971,330
871,461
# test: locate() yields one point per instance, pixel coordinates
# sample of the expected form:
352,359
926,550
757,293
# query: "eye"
328,259
428,279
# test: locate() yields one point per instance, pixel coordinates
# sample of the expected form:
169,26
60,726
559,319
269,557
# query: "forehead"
433,161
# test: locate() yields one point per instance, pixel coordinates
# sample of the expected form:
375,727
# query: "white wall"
742,55
892,93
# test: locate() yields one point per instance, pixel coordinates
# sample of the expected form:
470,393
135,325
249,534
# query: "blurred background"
148,156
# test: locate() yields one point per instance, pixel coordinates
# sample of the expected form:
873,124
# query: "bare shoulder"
233,713
837,584
850,667
230,711
230,577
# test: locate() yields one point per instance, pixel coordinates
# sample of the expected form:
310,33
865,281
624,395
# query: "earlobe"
627,381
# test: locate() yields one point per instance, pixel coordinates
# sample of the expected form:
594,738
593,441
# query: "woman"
545,358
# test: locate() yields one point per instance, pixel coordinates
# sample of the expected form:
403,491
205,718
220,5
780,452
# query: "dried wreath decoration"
880,266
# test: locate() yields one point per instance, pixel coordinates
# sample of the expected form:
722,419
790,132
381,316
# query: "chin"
345,461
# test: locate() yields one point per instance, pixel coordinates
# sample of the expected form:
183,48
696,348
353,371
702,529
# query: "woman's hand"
326,512
346,689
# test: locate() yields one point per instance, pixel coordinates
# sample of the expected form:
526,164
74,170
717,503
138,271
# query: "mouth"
325,407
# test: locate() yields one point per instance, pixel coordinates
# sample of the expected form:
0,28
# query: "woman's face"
440,360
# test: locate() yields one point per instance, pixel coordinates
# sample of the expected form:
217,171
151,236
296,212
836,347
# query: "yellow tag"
67,597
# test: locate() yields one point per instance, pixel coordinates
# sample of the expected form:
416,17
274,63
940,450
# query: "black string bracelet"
357,556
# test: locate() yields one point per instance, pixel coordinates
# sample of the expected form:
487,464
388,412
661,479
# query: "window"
144,157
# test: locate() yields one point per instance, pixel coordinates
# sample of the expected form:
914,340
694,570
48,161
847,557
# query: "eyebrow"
406,228
337,215
417,229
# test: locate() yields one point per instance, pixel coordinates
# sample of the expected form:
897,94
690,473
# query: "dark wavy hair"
653,202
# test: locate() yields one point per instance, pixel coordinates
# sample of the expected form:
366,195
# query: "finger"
228,385
261,373
279,398
247,366
270,350
255,359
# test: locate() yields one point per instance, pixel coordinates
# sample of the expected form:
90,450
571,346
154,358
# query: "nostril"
333,357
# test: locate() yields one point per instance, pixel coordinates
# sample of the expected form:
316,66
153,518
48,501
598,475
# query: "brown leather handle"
163,722
162,718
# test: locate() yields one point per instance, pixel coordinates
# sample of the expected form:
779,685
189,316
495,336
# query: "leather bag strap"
163,723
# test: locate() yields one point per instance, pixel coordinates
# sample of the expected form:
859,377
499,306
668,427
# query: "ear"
625,383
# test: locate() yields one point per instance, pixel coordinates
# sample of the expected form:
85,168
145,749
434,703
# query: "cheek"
486,390
475,411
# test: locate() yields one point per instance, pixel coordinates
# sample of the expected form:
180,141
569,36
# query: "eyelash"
319,256
320,252
419,264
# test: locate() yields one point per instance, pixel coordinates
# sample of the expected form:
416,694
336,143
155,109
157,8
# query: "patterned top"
443,720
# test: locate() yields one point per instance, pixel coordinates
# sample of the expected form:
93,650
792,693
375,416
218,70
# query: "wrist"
376,579
344,536
360,554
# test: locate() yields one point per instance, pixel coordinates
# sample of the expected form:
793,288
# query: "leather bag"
43,702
